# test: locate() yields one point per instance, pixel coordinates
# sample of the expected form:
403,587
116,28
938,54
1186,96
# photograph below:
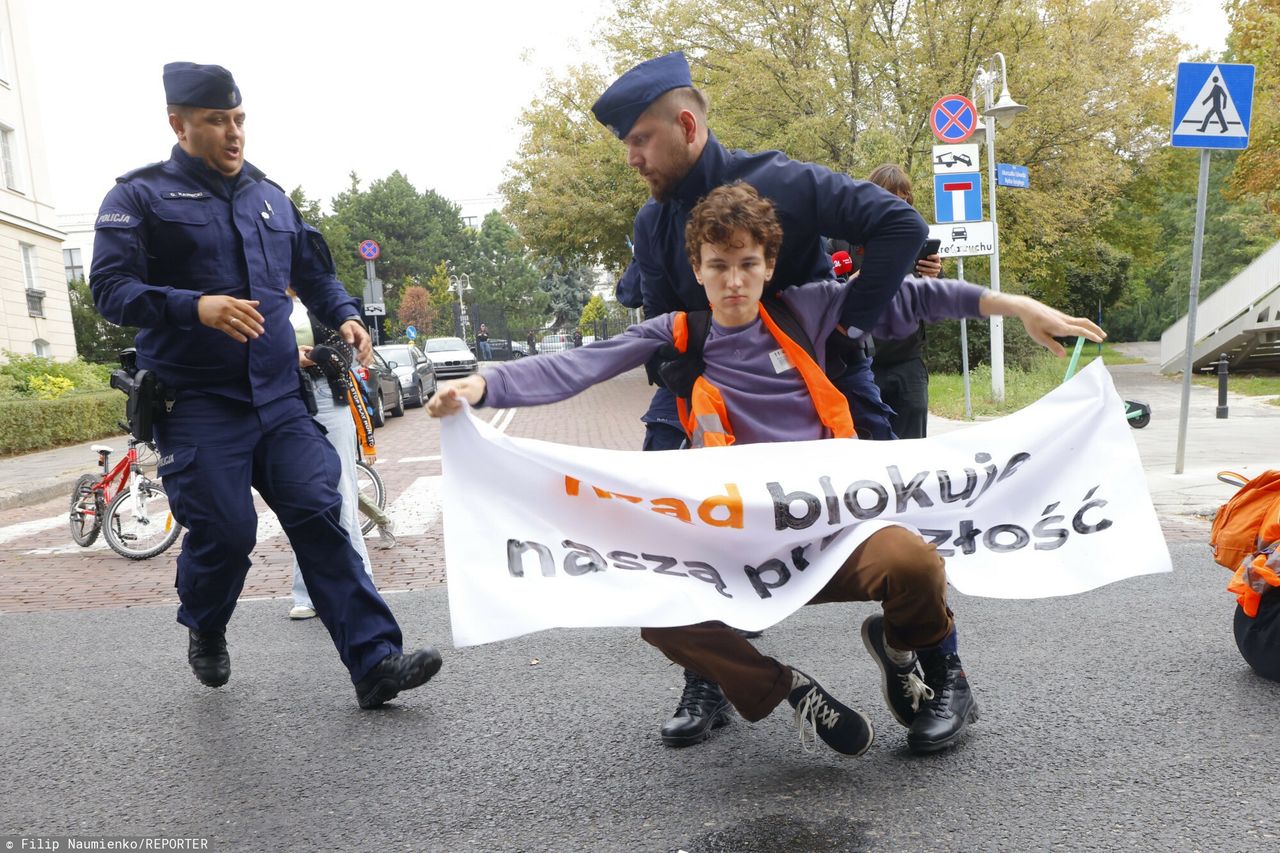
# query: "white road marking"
418,507
70,548
419,459
24,528
506,421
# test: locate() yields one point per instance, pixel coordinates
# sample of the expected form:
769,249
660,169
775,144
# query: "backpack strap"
683,364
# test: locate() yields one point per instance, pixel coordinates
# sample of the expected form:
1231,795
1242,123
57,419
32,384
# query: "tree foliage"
97,339
415,230
568,288
416,310
1255,39
849,84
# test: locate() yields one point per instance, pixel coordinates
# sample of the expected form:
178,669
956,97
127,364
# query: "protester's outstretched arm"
448,399
1042,323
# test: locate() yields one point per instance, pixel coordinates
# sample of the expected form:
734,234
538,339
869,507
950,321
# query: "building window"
74,264
35,296
29,265
42,348
6,158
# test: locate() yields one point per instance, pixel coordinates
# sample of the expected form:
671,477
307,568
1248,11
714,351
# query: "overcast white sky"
431,88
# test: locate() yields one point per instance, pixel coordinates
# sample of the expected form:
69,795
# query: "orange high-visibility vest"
705,418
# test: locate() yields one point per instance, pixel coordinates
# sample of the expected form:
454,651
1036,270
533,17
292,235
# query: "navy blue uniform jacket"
177,230
811,201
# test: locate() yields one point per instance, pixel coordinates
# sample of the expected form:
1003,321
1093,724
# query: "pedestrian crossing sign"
1212,105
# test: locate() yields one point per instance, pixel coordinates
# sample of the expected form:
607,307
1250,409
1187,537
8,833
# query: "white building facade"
35,311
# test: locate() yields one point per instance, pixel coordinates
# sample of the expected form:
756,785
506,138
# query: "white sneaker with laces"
302,611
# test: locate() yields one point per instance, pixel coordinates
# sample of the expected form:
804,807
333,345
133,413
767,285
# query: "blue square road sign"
957,198
1212,105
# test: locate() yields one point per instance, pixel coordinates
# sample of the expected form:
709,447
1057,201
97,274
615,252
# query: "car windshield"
400,355
445,344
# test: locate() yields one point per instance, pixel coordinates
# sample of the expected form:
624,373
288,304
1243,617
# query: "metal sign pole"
964,350
1197,247
997,322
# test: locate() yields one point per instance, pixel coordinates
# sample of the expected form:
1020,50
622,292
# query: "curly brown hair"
727,210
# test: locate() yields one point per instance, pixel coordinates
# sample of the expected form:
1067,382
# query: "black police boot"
702,708
394,673
207,653
942,720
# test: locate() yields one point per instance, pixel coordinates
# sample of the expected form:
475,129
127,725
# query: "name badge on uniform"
781,364
176,194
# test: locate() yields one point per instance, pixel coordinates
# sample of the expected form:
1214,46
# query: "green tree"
415,230
442,300
1255,39
505,280
568,288
570,193
592,315
849,85
97,339
308,207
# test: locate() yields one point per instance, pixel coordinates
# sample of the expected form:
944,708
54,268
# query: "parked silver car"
413,370
450,357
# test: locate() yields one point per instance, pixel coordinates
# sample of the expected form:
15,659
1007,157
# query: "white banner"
1047,501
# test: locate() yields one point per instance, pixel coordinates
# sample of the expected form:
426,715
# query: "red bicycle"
131,509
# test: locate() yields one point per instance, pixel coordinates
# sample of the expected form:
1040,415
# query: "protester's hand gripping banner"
1050,500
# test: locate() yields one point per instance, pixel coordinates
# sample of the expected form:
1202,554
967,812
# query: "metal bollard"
1222,386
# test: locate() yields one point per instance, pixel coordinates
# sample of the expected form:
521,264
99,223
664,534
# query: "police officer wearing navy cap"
662,119
197,251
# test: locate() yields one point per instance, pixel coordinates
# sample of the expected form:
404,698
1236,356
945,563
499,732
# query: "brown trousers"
894,567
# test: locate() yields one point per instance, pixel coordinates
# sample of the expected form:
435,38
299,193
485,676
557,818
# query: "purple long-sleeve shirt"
764,404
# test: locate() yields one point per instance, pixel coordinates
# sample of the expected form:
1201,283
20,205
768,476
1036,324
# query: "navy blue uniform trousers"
212,449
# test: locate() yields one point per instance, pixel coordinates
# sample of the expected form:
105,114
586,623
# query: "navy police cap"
192,85
633,92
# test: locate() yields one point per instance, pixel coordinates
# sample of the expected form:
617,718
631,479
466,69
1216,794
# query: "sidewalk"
36,477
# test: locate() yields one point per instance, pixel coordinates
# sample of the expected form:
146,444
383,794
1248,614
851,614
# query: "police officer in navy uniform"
197,251
655,110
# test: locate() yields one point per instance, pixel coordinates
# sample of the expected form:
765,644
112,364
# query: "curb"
36,491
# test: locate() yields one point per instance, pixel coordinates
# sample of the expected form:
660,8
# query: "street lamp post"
460,284
1000,111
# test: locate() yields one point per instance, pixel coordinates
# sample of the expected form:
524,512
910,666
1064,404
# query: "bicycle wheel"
139,535
86,511
370,486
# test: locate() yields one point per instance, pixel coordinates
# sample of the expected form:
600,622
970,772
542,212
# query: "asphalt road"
1122,719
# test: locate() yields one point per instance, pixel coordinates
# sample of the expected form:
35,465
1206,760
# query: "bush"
942,347
31,376
28,424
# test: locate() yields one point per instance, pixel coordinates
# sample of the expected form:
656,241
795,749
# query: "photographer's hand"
237,318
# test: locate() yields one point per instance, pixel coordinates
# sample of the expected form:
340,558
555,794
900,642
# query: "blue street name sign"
1012,176
1212,105
957,198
